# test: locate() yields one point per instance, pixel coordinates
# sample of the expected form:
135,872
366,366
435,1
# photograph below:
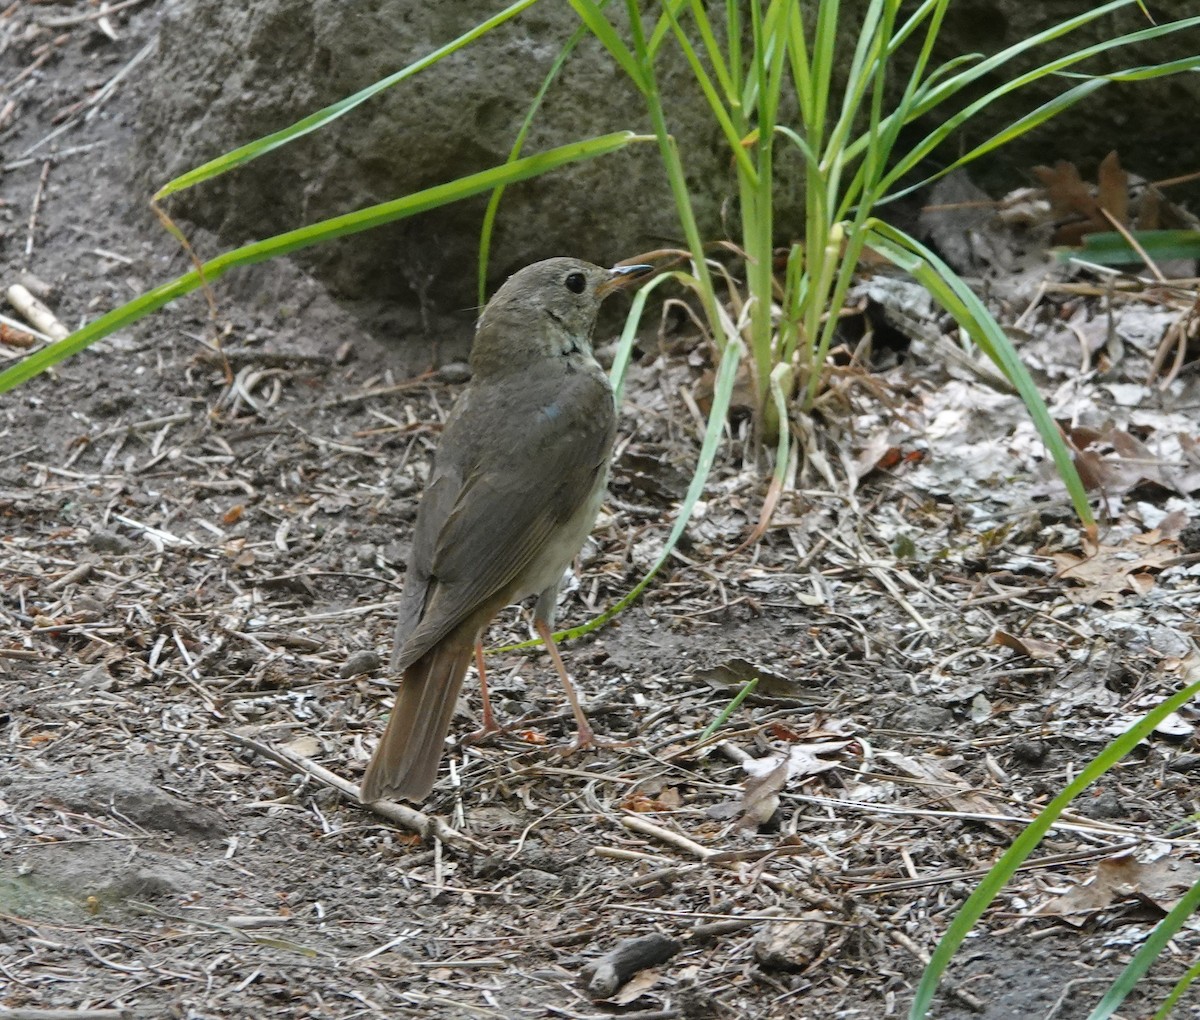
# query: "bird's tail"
405,763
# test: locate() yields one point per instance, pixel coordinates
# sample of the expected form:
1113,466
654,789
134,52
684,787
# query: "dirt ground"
199,569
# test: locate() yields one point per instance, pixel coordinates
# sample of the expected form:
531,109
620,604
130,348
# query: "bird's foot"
586,740
490,728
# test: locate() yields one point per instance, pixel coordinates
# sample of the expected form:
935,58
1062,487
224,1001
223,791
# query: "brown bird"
517,480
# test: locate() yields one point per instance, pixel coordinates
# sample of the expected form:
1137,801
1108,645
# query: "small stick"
37,204
713,929
79,19
426,825
80,573
971,1001
680,842
66,1014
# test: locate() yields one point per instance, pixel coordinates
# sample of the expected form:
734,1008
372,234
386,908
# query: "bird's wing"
545,453
441,493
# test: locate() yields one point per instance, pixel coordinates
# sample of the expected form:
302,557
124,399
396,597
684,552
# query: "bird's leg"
586,736
490,725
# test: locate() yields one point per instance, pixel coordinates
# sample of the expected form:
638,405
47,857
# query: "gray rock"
227,73
136,799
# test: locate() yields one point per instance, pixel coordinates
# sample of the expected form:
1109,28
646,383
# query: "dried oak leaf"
1107,572
1160,883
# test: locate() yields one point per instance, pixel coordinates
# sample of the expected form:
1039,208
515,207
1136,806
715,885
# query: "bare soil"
200,553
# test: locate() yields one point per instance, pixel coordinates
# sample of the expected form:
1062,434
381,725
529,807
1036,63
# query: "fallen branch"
428,826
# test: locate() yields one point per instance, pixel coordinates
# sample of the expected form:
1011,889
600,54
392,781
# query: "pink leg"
490,725
586,737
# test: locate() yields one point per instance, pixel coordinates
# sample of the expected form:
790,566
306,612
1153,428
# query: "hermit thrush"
517,479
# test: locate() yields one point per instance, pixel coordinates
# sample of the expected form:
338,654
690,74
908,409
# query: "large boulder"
227,73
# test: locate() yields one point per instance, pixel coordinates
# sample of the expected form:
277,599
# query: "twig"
957,991
80,19
427,826
675,839
94,103
24,327
25,1013
33,214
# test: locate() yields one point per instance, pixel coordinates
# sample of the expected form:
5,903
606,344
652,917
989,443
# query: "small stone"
456,372
1103,805
365,661
109,542
404,485
1033,752
790,945
924,718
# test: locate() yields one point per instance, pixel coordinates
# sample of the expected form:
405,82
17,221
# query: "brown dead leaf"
667,799
636,986
1112,188
1105,573
1025,645
305,746
760,797
1071,202
956,793
742,400
770,775
1161,884
736,671
1092,471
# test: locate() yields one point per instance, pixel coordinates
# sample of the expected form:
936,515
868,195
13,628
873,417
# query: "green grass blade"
899,36
1177,993
624,350
1151,950
668,151
1035,118
662,27
802,76
1024,844
293,240
1111,249
591,15
953,87
734,134
1047,111
821,60
719,721
493,206
711,47
1143,72
260,147
961,302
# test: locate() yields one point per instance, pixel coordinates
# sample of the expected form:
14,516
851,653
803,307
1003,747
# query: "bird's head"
546,310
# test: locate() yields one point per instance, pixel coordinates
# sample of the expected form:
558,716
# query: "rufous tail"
405,764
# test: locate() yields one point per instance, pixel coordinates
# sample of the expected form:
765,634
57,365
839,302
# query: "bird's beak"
620,277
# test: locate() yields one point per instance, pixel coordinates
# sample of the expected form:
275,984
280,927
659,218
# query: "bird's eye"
576,282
